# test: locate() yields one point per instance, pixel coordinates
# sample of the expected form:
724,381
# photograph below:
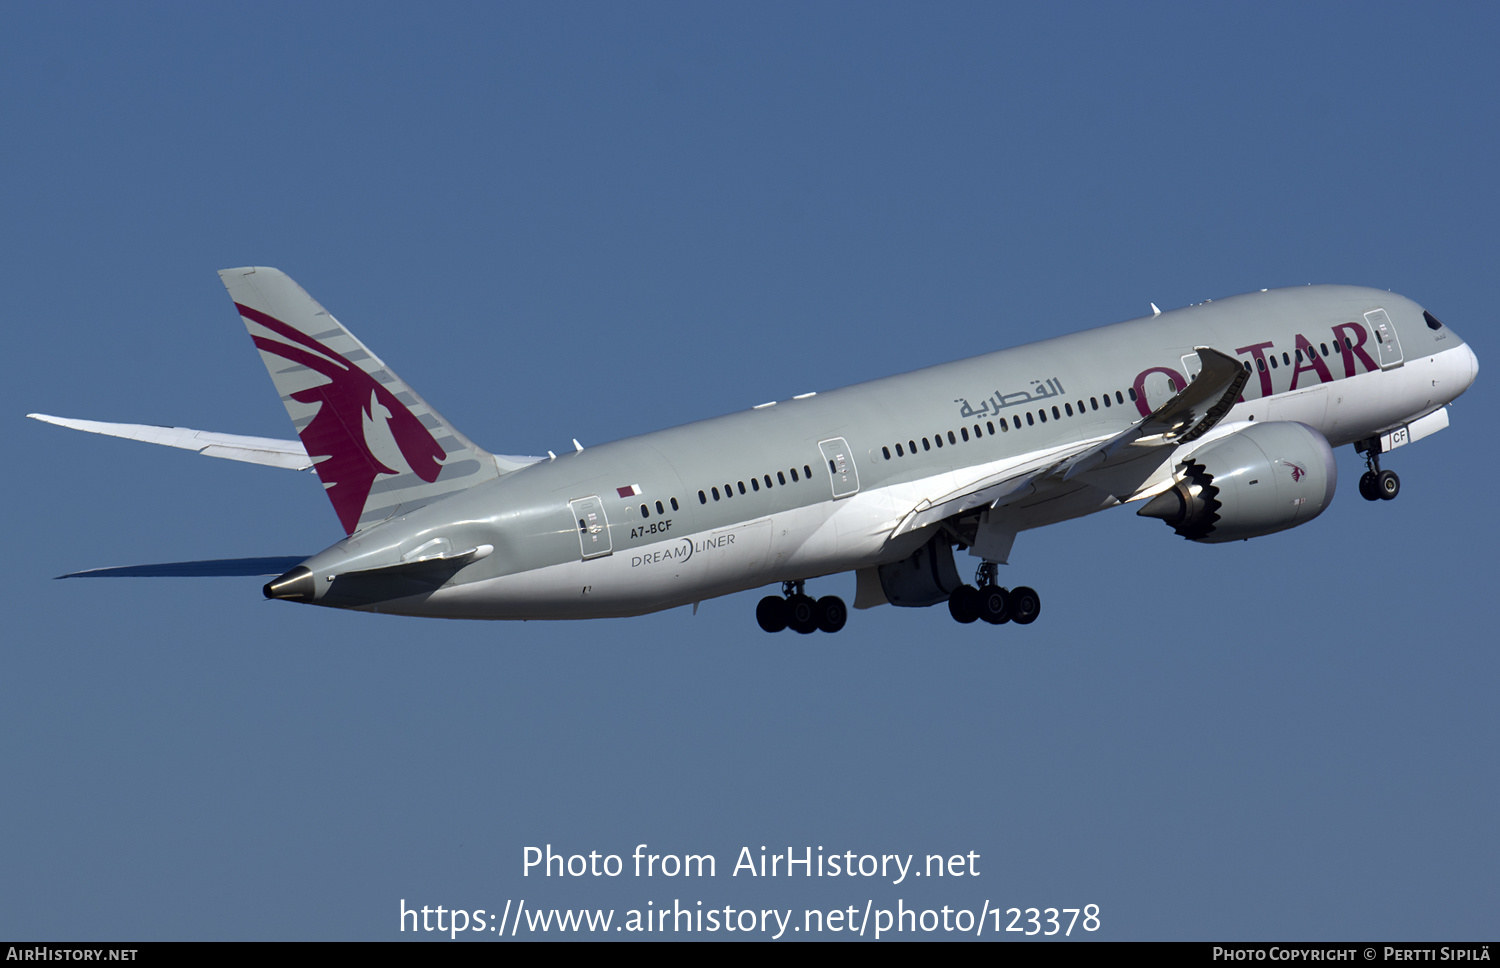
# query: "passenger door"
840,465
593,526
1387,346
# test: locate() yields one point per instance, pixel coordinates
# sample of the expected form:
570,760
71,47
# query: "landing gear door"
1387,346
840,464
592,526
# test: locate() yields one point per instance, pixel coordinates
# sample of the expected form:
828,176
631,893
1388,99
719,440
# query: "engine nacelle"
1260,480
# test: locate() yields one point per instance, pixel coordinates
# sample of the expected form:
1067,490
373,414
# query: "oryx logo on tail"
336,437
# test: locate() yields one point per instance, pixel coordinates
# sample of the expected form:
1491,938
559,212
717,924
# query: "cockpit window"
1432,321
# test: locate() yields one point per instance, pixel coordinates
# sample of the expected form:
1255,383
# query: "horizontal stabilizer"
215,568
253,450
418,575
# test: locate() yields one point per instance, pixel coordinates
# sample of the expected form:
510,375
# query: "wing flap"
1014,481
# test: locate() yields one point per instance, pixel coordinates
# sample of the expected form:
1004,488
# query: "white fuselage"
828,534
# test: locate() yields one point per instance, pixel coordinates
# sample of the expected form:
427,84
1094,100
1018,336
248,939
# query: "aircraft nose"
1473,366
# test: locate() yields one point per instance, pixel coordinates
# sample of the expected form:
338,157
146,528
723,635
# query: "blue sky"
593,220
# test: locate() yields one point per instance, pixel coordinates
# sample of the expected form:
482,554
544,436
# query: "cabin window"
674,505
781,477
702,498
899,451
1260,364
1106,401
1132,394
1171,384
660,509
1285,358
794,475
925,444
1120,397
1056,414
1068,407
1094,402
728,490
887,451
644,512
952,439
938,438
715,493
964,432
755,484
1030,420
808,471
990,424
1324,348
1273,361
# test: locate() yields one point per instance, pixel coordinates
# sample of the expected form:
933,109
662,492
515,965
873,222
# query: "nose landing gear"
799,612
985,599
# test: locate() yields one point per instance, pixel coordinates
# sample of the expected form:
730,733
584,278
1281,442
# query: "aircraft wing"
993,490
254,450
1189,414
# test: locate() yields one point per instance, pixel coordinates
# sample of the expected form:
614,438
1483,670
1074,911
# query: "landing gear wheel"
772,613
963,604
831,613
1025,605
802,614
1376,484
994,605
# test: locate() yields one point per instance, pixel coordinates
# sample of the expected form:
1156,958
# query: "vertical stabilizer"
379,447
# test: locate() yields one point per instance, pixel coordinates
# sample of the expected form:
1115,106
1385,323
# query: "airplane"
1218,419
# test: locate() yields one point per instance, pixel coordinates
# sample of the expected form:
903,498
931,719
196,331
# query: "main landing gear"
987,600
799,612
1376,484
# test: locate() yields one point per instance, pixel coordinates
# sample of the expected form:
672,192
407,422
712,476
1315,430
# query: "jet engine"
1260,480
